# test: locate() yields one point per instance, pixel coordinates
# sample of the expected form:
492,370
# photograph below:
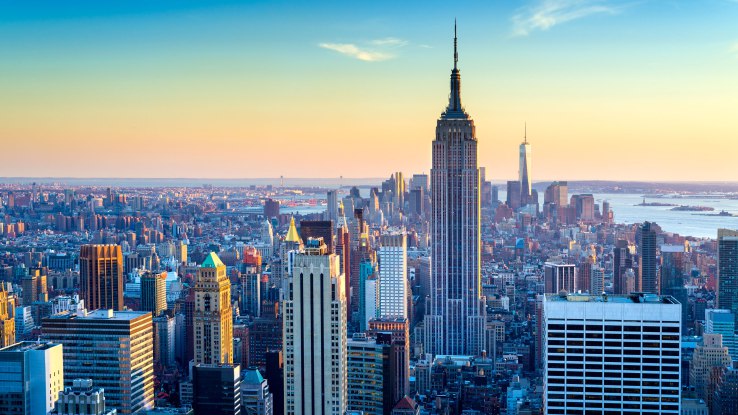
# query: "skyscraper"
393,285
622,261
315,334
557,277
456,319
526,186
318,229
727,286
710,354
368,375
113,348
154,292
101,276
31,375
648,271
216,389
331,208
7,323
213,317
611,353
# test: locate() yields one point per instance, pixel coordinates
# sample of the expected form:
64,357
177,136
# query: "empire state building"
455,323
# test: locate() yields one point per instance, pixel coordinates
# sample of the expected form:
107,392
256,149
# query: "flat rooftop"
634,298
26,346
101,315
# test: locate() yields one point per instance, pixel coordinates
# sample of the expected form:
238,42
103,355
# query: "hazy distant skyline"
223,89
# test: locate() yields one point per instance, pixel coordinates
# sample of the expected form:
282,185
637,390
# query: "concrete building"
256,397
722,322
101,276
393,285
83,398
154,292
611,353
216,389
91,341
164,340
369,375
727,281
315,334
455,321
213,315
396,332
710,354
557,277
7,321
31,377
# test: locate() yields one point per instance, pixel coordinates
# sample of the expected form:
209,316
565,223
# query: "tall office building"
398,330
275,378
343,250
34,287
7,322
622,261
611,354
331,207
393,285
213,314
31,377
101,276
369,377
318,229
256,397
164,343
315,334
513,194
727,286
154,292
648,270
455,321
524,164
707,356
725,398
92,340
673,260
722,322
216,389
557,277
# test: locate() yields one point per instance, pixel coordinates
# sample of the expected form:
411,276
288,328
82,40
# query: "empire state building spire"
454,109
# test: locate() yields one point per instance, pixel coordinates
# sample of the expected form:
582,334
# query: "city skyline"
191,77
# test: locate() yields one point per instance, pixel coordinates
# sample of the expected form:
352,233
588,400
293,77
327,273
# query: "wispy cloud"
372,51
389,41
349,49
545,14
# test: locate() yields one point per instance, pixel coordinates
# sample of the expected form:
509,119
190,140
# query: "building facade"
101,276
154,292
393,285
315,334
31,377
213,314
455,321
611,354
727,286
93,340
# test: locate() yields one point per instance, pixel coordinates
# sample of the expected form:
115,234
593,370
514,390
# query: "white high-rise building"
611,354
526,185
393,288
315,334
31,377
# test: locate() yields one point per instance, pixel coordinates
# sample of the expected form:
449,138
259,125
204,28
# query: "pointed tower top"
525,133
292,235
456,52
455,109
212,261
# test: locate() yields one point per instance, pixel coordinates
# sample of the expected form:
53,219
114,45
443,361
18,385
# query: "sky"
611,90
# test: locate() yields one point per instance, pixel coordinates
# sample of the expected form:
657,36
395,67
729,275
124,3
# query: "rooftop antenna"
525,133
456,54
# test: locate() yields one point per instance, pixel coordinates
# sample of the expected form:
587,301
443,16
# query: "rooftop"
26,346
212,261
633,298
101,315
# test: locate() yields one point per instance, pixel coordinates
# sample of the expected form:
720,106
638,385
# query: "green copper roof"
252,376
212,261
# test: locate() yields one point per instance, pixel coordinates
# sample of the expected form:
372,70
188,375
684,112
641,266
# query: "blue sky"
646,76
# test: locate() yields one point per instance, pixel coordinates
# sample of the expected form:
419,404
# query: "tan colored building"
101,276
213,319
711,354
154,292
7,323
